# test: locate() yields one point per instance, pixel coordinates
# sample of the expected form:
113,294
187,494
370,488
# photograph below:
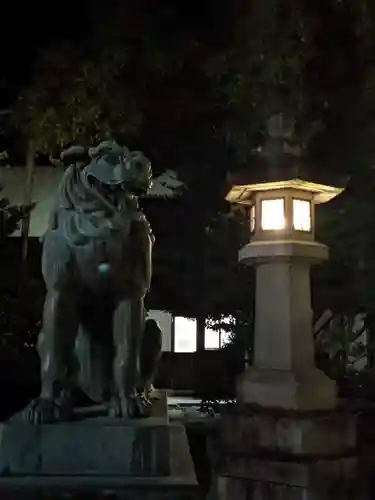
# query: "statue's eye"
110,159
138,164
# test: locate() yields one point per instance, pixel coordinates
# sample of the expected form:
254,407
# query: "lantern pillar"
284,374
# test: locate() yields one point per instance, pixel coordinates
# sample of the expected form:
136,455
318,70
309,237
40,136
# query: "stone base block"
180,484
101,446
134,459
98,488
285,389
228,488
319,474
47,480
327,433
269,453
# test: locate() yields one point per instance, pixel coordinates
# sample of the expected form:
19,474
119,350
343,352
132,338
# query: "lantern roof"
280,164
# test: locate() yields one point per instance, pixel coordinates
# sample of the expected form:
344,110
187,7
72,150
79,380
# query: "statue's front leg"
128,324
55,348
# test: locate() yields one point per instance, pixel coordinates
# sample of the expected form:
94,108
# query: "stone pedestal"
287,438
291,455
143,459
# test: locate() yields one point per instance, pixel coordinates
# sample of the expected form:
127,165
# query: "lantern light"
273,214
302,215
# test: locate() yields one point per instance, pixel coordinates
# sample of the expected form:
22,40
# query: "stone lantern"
288,437
281,195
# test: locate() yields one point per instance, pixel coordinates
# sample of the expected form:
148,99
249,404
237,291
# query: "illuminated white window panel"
302,215
185,334
273,214
217,338
211,339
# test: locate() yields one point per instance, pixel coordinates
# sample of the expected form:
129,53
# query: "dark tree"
196,96
21,293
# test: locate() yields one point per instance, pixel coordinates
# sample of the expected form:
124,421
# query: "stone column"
284,373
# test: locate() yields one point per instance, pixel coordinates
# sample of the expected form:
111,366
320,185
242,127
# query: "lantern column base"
307,391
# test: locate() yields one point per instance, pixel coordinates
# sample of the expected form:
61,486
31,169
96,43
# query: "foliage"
21,295
337,346
285,57
20,314
211,85
196,270
117,84
196,100
348,228
261,70
11,216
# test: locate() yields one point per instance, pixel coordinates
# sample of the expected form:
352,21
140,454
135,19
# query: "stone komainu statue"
96,264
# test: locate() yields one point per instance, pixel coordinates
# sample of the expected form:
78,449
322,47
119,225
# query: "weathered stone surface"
309,390
96,488
325,434
143,459
91,444
288,455
179,484
100,446
321,473
230,487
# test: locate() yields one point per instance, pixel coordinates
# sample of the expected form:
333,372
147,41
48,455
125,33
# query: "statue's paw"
44,411
140,406
131,407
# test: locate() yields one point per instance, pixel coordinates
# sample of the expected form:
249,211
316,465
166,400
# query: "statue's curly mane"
95,197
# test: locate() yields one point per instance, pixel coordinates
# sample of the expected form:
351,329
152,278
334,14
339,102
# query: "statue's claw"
145,398
139,406
152,394
45,411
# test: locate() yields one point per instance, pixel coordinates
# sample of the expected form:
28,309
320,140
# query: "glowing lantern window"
301,215
273,214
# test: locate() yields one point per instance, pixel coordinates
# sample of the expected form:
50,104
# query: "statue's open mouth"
113,190
109,194
105,187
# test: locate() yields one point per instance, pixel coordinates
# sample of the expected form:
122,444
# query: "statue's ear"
74,154
108,147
